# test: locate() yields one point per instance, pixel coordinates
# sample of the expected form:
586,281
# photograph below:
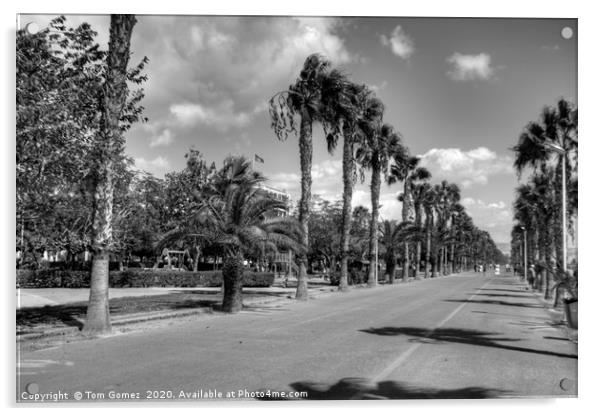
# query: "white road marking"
407,353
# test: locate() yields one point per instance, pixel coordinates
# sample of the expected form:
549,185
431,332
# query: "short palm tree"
393,236
237,214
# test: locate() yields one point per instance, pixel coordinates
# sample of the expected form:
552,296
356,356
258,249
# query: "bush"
51,278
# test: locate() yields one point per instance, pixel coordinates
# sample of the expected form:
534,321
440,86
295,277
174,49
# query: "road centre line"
407,353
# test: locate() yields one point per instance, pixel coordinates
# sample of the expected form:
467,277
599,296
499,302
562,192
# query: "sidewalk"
63,321
557,314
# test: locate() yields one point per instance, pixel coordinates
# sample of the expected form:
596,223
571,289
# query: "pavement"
461,336
32,298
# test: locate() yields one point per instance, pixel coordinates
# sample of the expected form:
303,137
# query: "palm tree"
394,235
405,169
430,203
237,215
115,93
448,195
420,193
345,107
305,100
550,142
381,144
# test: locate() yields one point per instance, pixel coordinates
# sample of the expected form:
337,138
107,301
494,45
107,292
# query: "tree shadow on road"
495,302
506,290
363,389
461,336
500,295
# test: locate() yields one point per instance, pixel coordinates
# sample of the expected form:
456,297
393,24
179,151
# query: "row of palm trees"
351,112
543,148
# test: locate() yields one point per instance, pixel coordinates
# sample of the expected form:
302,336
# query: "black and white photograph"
234,208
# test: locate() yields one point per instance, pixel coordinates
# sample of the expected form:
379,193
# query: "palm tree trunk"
427,253
305,155
115,95
347,195
405,212
375,196
197,255
418,254
232,273
406,261
559,213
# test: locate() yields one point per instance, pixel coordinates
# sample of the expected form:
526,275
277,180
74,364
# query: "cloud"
401,44
222,116
495,217
164,139
379,87
158,165
470,67
468,168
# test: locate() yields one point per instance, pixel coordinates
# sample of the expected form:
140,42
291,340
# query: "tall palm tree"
345,107
305,100
430,203
237,215
405,169
381,144
551,142
115,93
420,193
448,195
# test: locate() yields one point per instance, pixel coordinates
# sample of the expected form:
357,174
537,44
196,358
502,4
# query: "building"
279,195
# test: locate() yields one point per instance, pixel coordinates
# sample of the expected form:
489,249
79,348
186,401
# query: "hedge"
52,278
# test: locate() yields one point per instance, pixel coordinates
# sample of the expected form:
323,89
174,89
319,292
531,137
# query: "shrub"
51,278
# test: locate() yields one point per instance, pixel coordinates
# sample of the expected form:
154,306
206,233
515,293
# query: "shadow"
507,290
363,389
500,314
461,336
495,302
558,338
500,295
62,315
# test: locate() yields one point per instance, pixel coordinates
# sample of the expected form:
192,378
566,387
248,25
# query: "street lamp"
525,252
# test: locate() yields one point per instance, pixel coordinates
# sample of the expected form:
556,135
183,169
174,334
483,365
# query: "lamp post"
525,252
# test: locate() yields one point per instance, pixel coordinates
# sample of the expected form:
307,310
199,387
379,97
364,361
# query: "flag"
259,159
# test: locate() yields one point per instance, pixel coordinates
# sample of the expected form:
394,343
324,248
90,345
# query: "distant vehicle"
497,270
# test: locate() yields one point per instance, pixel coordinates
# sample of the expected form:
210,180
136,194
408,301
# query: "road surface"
453,337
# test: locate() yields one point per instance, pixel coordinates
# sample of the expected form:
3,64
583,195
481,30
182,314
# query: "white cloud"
470,67
223,116
164,139
379,87
468,168
401,44
158,165
495,217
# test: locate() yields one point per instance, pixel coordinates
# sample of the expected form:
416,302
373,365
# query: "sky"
458,90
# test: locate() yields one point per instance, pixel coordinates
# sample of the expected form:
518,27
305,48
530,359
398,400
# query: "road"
459,336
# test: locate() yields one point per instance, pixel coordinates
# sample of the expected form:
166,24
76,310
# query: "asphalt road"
463,336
